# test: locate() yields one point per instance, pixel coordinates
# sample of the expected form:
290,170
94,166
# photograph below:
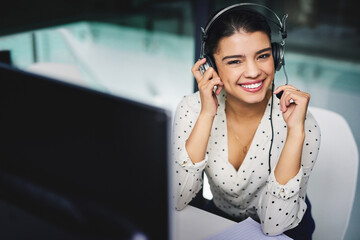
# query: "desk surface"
196,224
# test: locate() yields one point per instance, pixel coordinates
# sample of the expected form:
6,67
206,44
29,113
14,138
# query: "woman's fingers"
209,85
288,95
292,95
196,69
209,80
286,99
210,73
284,87
220,86
206,84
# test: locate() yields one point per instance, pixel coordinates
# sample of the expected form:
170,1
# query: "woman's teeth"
254,85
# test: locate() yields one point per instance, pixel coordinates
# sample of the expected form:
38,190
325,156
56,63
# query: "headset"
278,49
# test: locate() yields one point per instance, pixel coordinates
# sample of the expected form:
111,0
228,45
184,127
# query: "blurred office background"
144,50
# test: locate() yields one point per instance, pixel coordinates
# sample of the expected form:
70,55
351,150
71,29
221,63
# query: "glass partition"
145,56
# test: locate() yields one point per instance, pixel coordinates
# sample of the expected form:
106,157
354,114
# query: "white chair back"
332,184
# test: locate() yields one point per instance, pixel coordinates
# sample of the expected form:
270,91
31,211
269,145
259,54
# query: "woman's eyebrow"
242,56
232,56
263,50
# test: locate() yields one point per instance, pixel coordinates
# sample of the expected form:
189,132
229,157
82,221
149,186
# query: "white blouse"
250,190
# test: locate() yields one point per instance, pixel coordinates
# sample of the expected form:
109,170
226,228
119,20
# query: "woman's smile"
253,86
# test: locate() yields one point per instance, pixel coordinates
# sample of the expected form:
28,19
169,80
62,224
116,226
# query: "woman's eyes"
264,56
234,62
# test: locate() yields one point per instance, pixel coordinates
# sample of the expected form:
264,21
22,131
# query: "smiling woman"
253,62
256,150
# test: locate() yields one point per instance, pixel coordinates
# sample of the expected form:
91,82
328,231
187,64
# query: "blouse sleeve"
281,207
188,175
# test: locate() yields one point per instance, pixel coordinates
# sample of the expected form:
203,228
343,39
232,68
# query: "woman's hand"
206,84
293,105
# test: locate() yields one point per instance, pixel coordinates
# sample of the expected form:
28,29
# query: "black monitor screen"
90,162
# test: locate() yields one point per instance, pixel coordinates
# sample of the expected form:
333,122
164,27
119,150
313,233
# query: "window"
145,54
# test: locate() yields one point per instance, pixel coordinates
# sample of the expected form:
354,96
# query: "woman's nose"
252,70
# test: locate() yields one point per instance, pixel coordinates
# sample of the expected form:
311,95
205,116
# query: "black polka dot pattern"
250,190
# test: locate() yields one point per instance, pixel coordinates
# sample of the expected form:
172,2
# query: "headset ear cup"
277,50
275,53
211,62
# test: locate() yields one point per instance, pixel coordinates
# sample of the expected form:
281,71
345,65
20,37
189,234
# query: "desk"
196,224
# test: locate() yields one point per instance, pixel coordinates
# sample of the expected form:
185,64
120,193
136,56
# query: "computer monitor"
91,163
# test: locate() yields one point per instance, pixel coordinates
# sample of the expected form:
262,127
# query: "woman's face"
245,65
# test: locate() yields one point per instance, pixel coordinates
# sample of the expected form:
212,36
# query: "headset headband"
277,48
281,24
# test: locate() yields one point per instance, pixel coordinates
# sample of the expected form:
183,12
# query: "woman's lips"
252,87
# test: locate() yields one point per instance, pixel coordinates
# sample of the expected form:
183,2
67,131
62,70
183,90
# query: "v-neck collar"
257,140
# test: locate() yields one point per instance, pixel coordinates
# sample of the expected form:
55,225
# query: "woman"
227,132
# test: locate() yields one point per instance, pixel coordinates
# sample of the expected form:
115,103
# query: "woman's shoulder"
311,125
190,101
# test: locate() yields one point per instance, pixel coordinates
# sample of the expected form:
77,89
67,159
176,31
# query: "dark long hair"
232,21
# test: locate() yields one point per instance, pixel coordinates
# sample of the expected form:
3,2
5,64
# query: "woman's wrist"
206,116
296,132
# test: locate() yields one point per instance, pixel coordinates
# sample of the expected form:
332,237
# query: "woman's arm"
282,203
293,104
199,137
188,175
282,206
192,129
289,162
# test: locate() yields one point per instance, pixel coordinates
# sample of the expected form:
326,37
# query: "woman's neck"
243,111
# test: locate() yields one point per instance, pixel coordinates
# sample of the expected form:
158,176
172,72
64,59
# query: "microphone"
279,94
